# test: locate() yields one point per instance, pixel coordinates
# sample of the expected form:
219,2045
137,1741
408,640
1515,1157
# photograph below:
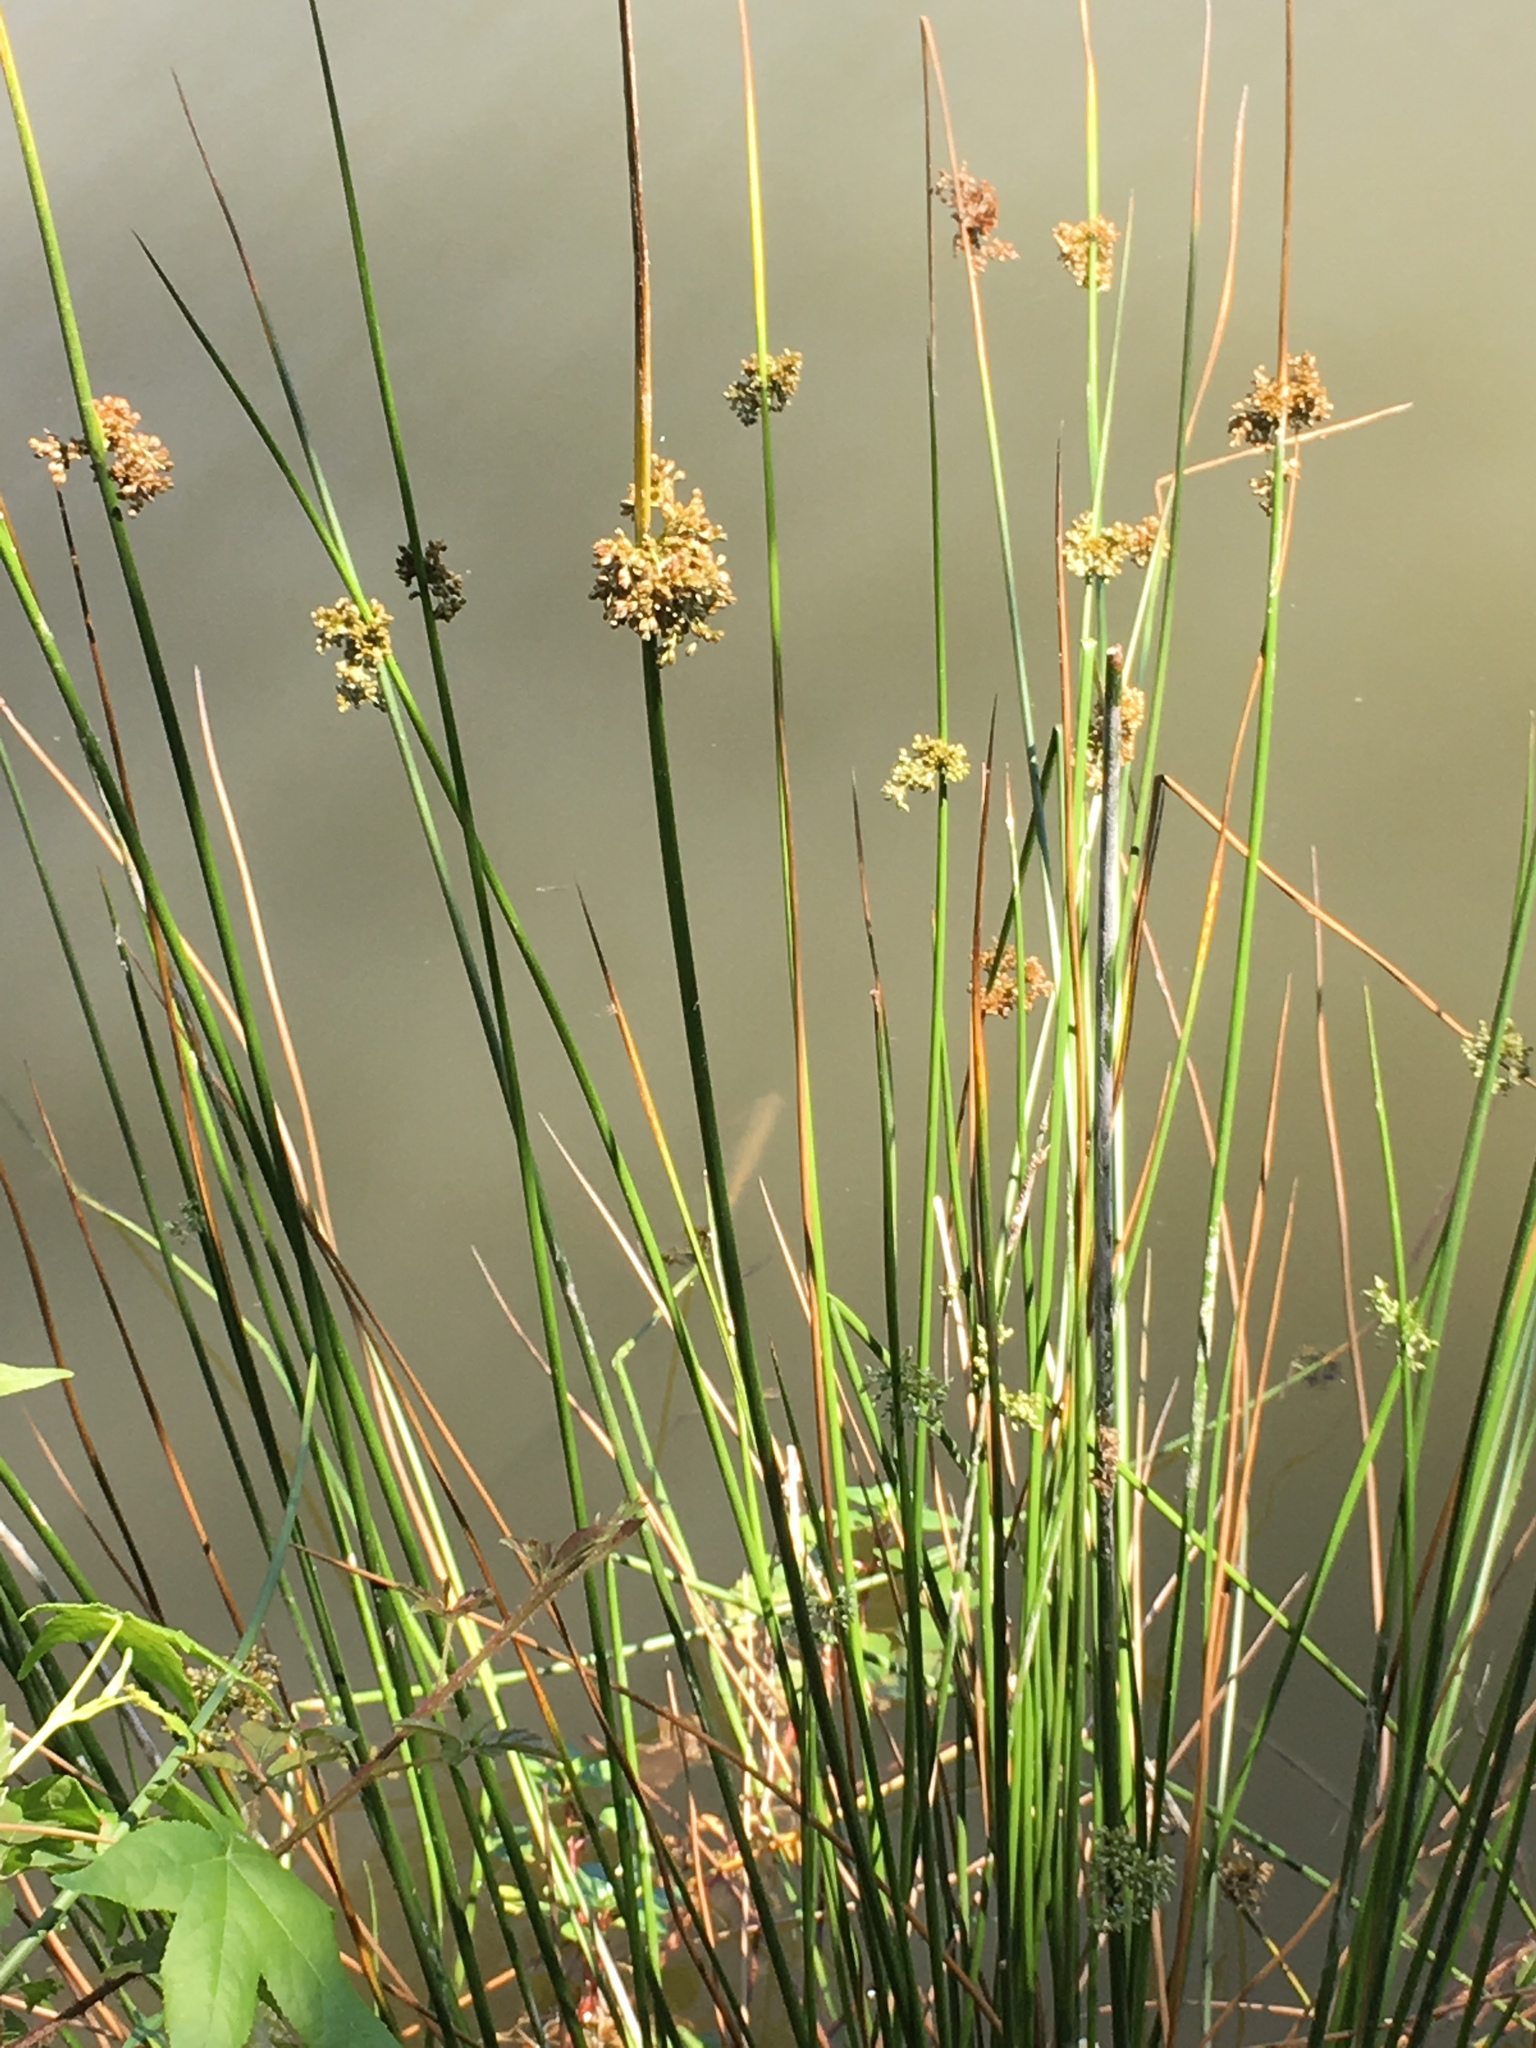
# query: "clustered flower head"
1243,1877
363,644
1299,398
445,586
140,464
745,396
1126,1883
1414,1343
973,204
1097,553
997,982
913,1393
665,586
1514,1055
924,765
251,1697
1133,712
1078,240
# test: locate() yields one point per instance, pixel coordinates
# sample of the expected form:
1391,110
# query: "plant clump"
1299,398
997,982
1097,553
362,643
444,586
1133,712
667,586
746,394
1079,241
1514,1056
924,766
140,464
972,203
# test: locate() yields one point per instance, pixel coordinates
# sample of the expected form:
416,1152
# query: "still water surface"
489,152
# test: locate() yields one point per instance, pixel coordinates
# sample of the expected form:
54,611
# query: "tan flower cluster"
1097,554
745,395
1299,398
924,766
997,982
1514,1056
363,644
445,586
1133,713
972,203
140,464
1077,240
665,587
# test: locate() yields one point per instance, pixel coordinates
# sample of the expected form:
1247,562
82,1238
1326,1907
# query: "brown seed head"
972,203
445,586
140,464
1299,398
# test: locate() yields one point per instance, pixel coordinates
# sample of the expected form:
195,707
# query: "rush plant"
965,1734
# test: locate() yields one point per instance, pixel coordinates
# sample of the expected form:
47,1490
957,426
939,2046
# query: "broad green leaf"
20,1379
212,1962
153,1869
159,1654
241,1918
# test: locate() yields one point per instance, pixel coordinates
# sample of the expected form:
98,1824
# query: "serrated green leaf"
20,1379
159,1654
241,1918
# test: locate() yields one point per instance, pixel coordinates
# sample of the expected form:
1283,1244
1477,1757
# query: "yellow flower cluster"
1077,240
924,766
665,586
1514,1055
1098,553
363,644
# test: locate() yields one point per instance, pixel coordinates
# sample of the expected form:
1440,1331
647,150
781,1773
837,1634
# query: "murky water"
489,154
